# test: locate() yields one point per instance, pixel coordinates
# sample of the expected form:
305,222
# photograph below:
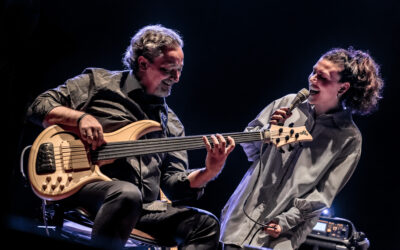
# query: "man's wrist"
211,173
80,118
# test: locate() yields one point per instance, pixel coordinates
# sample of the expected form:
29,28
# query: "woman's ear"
345,86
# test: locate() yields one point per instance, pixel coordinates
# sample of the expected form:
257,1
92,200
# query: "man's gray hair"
150,42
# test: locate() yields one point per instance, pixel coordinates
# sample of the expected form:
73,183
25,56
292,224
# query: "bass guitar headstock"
280,136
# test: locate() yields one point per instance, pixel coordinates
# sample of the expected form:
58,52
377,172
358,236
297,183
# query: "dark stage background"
239,56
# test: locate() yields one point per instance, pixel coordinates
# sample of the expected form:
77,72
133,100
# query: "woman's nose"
312,78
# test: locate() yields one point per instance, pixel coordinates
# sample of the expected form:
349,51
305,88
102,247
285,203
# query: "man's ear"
142,63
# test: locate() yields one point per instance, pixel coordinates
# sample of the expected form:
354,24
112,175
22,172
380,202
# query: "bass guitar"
60,163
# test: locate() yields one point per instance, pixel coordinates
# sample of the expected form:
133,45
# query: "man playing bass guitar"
100,101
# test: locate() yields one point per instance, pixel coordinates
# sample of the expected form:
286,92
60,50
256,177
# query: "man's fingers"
89,136
222,142
207,143
219,143
101,137
231,146
95,142
91,131
215,142
93,137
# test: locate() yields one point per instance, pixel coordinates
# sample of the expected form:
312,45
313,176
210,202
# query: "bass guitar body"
60,164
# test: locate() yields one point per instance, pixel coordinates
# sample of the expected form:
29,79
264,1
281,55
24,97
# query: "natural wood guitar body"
73,167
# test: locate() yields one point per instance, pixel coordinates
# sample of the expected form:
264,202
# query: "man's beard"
162,90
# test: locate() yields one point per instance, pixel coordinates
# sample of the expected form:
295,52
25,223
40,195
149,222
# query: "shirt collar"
340,118
131,83
134,89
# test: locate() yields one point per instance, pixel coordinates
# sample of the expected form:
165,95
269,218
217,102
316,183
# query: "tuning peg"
291,125
280,130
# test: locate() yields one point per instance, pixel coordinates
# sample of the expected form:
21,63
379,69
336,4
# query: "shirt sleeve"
175,168
73,93
310,206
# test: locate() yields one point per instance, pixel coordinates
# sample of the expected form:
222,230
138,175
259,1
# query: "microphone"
301,96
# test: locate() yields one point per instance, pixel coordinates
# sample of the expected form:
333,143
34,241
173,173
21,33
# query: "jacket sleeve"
175,168
252,149
310,206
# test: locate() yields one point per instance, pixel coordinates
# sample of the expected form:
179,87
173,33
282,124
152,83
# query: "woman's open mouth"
313,92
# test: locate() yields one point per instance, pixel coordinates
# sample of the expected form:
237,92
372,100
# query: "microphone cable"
262,225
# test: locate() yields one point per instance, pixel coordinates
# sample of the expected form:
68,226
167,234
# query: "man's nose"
175,75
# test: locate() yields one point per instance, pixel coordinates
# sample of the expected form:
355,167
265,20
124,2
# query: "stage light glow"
328,212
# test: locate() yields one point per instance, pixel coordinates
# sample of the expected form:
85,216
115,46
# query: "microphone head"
303,94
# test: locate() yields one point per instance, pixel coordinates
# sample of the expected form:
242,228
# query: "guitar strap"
164,119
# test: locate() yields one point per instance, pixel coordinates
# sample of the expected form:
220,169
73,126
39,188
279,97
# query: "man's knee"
127,196
211,222
207,226
204,233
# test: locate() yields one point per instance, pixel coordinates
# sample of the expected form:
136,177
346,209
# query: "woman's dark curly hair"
150,42
361,71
